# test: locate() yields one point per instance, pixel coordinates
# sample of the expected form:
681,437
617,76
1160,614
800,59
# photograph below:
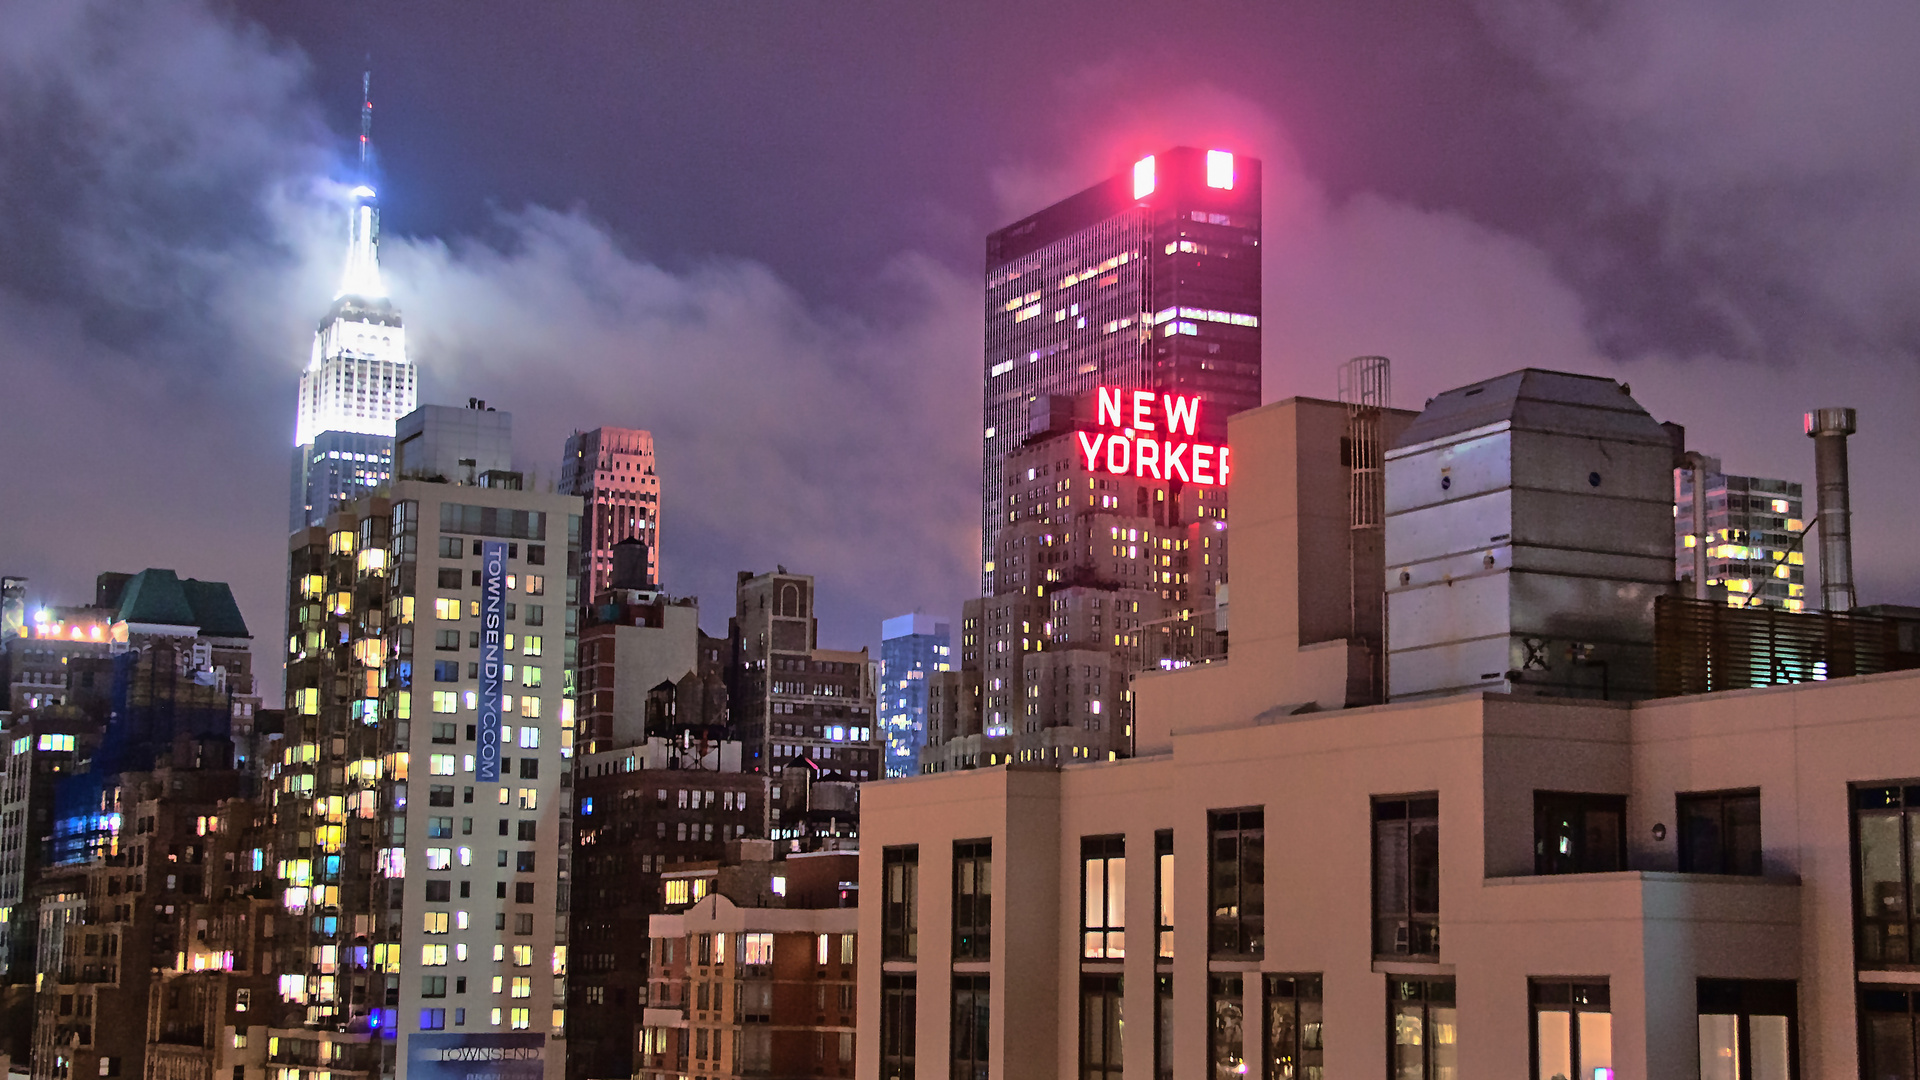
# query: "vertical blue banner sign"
493,656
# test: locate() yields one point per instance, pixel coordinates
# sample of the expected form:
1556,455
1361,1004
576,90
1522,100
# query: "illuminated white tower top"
359,379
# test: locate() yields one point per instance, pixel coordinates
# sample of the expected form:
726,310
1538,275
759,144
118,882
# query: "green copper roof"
162,597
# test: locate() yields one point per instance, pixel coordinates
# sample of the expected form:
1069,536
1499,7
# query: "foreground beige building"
1280,884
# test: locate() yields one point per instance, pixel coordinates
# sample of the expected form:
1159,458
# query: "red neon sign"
1145,439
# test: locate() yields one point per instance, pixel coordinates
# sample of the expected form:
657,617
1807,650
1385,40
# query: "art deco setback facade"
1475,885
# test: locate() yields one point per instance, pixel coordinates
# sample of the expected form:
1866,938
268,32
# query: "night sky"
756,229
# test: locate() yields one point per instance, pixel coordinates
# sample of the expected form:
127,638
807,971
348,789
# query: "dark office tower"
1149,280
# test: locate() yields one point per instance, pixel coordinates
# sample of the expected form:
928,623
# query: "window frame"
972,900
1598,998
899,1013
900,916
970,1045
1745,999
1413,920
1428,1000
1724,801
1106,989
1582,858
1306,992
1226,994
1163,880
1240,935
1098,858
1905,815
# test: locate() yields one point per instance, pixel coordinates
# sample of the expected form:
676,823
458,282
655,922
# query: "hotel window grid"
1572,1028
1423,1030
1748,1031
900,903
1236,879
1406,875
898,1014
1576,833
1294,1027
972,899
1719,832
1103,897
1226,1034
971,1027
1163,1027
1163,890
1100,1043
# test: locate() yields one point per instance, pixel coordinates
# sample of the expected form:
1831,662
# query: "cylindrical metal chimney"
1829,429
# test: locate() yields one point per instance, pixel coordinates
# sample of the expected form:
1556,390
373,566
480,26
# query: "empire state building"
358,381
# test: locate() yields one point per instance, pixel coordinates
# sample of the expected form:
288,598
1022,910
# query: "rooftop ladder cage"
1704,647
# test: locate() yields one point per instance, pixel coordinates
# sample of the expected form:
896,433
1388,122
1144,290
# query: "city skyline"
192,330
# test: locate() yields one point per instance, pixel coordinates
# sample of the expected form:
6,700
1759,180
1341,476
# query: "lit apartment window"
1572,1028
1163,890
971,1024
1748,1030
1226,1036
1423,1033
1236,882
1406,875
898,1014
1719,832
1103,893
1100,1050
1293,1027
1163,1027
1579,834
972,899
1885,820
900,903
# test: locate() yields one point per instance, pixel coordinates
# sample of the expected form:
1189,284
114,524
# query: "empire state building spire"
358,381
362,276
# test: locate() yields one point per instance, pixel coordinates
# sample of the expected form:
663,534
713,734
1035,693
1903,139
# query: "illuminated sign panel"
476,1056
493,612
1220,169
1151,435
1143,177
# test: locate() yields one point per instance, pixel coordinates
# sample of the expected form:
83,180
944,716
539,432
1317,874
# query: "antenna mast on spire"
366,125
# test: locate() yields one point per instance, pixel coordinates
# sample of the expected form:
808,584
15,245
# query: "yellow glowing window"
530,645
433,955
435,922
446,609
523,956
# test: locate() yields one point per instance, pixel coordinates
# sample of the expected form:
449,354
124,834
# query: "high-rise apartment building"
1149,280
912,649
423,828
790,698
612,470
358,381
1750,530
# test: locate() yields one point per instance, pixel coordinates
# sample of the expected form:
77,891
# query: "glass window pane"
1117,892
1768,1035
1423,851
1092,885
1883,893
1443,1029
1719,1047
1553,1038
1409,1041
1743,834
1596,1043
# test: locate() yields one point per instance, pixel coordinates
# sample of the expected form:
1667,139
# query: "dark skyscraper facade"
1149,280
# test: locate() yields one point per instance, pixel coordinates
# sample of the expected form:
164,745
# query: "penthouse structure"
1562,875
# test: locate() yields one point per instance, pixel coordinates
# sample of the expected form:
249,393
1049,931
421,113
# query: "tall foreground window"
1406,875
1236,882
1423,1041
897,1018
1163,890
1884,832
1100,1049
971,1025
1103,897
972,899
1748,1030
1226,1028
1572,1029
1293,1028
900,903
1163,1027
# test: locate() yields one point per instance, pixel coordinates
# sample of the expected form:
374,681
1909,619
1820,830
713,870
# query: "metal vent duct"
1829,428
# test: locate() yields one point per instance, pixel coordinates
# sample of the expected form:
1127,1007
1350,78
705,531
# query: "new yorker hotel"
421,803
1149,280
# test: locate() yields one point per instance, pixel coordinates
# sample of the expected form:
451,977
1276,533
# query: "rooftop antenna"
366,125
